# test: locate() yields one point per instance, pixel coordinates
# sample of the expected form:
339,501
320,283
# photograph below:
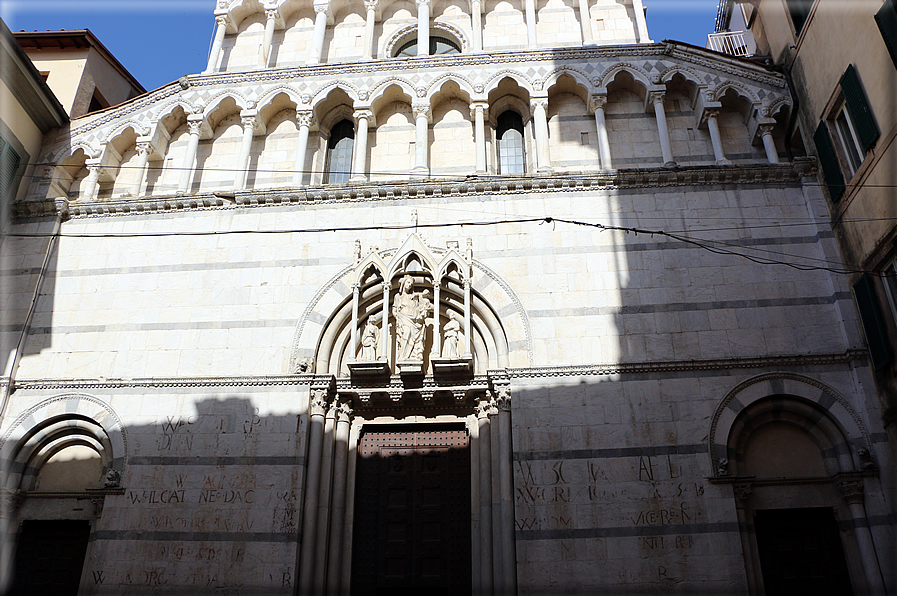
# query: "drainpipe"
792,117
12,363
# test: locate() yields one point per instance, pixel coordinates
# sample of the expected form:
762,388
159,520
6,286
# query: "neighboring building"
79,69
335,317
847,117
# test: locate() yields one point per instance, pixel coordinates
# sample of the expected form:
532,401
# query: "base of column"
421,171
360,178
723,162
544,171
670,164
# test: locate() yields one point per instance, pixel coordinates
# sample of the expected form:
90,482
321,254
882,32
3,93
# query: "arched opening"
339,153
439,46
509,141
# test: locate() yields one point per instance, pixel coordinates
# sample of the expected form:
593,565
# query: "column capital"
343,411
325,8
304,117
538,102
423,2
145,148
222,20
766,128
479,106
271,14
248,121
372,4
851,490
317,405
597,101
656,97
363,114
420,109
484,406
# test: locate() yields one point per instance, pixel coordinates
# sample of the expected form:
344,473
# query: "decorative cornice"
241,381
423,189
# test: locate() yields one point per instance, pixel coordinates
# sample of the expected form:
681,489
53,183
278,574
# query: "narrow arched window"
339,152
510,143
439,46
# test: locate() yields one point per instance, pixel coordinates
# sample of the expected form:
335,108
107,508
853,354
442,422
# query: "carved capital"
371,4
221,20
742,490
248,122
363,114
319,8
423,2
711,113
541,102
194,126
304,118
144,149
766,129
479,106
851,490
656,97
317,406
421,109
271,14
597,102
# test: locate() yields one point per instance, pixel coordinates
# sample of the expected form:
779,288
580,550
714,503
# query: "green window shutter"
860,114
9,165
887,24
872,322
831,168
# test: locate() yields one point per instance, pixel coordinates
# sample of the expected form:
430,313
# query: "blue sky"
160,40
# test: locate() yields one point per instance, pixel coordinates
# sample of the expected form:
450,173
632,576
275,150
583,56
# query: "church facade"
485,298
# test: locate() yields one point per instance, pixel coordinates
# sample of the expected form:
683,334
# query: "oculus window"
339,153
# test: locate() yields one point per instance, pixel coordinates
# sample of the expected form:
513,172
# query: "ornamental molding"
601,57
167,382
683,176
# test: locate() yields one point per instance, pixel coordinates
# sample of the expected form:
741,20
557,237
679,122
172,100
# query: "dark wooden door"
412,512
801,553
49,557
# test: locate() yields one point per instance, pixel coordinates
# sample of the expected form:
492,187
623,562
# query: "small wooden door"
412,512
49,557
801,553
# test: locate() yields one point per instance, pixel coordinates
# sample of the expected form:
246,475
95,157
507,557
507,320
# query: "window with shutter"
860,114
9,165
799,10
873,325
831,168
886,18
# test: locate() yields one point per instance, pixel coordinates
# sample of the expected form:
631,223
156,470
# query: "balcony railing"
732,43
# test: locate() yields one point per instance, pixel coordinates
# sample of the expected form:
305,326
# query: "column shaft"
265,54
215,53
325,491
585,21
423,28
498,559
867,548
715,140
473,427
189,156
508,550
435,350
662,131
384,324
341,448
772,154
303,118
479,119
540,119
356,290
317,39
476,16
485,449
89,189
143,154
245,149
598,103
467,333
312,484
360,152
530,10
369,23
350,510
421,140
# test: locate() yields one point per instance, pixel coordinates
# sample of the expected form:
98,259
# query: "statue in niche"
369,342
452,337
411,311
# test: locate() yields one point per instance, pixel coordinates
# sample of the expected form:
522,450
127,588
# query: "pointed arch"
437,84
215,102
578,76
141,130
495,80
320,94
638,74
738,88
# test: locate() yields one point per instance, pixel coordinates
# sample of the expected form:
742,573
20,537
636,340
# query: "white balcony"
734,43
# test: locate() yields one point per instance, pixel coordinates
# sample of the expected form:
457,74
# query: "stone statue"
451,337
112,479
369,342
411,311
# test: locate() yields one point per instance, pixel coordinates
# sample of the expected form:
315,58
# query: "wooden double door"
412,511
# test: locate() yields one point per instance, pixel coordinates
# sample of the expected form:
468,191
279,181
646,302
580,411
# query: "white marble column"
485,448
530,12
369,23
467,329
421,138
325,492
436,348
248,120
423,27
143,154
384,323
506,497
586,22
91,182
715,139
270,22
360,150
316,410
220,29
478,111
597,104
852,491
640,22
194,124
356,293
540,122
341,449
317,39
772,154
656,98
303,119
476,24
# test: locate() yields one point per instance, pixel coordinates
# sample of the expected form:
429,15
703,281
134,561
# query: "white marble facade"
192,301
